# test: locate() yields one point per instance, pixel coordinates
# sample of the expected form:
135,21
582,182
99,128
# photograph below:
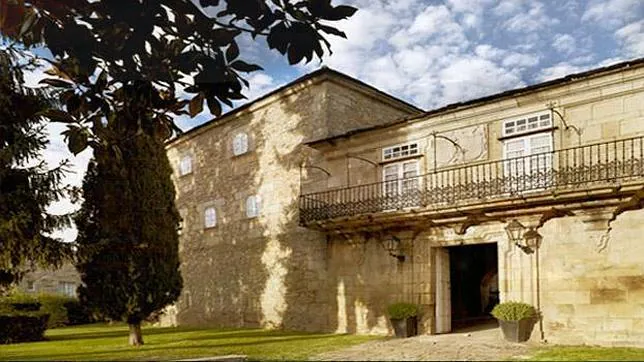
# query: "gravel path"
480,344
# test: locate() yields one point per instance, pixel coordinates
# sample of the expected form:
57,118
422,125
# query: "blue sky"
431,53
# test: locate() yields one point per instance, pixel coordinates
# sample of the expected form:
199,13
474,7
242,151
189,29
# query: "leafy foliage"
128,226
402,310
22,327
27,187
513,311
102,47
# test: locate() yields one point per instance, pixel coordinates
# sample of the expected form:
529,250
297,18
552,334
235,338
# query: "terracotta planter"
517,331
404,328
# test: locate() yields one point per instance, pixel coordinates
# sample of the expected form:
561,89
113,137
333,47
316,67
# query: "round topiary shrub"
514,311
402,310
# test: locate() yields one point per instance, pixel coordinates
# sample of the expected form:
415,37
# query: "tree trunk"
136,338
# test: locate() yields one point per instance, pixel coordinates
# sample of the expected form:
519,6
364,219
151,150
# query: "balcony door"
400,178
528,162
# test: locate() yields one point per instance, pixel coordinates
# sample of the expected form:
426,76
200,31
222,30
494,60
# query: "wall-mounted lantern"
393,245
528,241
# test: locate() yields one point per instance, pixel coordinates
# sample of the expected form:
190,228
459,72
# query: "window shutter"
253,206
185,166
210,217
240,144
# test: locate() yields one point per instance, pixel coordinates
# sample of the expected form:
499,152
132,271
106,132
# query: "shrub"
402,310
62,310
513,311
22,327
19,302
78,313
54,305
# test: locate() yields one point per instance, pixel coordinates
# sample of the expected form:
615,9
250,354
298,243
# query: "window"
400,177
31,286
391,153
253,205
210,217
240,144
185,166
527,124
67,288
538,147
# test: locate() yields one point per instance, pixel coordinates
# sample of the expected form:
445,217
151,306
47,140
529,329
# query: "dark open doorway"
474,283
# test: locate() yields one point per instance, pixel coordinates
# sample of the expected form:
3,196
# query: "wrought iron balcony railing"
567,168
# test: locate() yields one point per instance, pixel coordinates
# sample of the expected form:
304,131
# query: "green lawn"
104,342
583,353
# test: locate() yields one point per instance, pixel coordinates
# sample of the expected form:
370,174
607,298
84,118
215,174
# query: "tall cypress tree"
128,224
27,186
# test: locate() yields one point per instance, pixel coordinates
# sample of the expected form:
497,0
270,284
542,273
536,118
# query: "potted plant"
516,319
403,317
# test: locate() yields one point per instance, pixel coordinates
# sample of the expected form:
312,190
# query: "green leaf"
331,30
76,140
196,105
214,106
242,66
232,52
222,37
58,116
56,83
340,12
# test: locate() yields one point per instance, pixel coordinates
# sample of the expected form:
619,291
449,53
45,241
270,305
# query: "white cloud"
530,20
564,43
260,84
559,70
475,77
509,7
613,13
631,37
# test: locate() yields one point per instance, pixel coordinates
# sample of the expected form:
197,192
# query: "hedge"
23,327
62,310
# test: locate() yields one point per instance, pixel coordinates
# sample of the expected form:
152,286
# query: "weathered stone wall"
264,271
48,281
601,108
592,286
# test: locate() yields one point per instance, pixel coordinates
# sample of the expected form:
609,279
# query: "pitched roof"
493,97
323,71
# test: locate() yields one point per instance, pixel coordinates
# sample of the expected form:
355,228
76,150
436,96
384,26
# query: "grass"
105,342
584,353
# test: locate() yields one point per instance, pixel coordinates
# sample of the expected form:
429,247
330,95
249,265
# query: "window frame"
245,147
400,179
389,153
206,218
64,290
182,170
256,206
526,122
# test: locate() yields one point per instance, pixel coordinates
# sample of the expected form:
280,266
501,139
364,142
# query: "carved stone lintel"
597,220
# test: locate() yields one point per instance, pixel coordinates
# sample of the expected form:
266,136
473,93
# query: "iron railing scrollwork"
586,165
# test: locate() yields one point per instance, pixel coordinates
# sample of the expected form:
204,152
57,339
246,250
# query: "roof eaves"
485,99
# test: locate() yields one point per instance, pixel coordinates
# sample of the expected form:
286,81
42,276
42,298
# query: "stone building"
62,281
321,203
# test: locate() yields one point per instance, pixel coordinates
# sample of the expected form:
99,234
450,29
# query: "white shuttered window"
210,217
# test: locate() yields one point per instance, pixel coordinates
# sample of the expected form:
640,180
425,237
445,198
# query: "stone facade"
62,281
336,273
265,270
587,276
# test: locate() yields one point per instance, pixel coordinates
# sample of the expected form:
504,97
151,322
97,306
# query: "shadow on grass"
166,351
151,331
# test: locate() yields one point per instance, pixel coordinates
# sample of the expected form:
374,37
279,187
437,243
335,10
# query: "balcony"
607,165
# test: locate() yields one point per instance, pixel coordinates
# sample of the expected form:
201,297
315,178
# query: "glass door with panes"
401,183
528,162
